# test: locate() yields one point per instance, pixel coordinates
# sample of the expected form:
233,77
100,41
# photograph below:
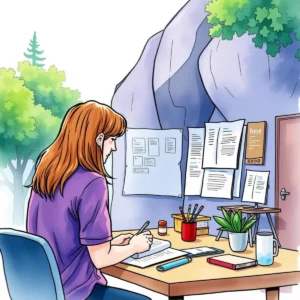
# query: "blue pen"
174,264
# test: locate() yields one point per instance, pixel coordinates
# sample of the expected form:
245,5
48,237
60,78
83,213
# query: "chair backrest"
30,267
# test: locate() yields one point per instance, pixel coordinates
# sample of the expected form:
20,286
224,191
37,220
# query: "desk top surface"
200,270
251,210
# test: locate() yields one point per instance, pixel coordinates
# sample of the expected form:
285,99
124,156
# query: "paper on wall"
194,171
221,145
256,185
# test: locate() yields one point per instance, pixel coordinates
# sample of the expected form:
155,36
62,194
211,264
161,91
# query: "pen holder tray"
202,223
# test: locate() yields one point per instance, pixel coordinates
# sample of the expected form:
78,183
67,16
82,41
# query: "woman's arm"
104,255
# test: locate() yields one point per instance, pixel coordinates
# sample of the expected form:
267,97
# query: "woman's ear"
99,140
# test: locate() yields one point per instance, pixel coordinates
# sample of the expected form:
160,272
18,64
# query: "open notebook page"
157,246
155,258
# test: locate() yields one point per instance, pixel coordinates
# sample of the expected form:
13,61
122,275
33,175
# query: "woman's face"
109,145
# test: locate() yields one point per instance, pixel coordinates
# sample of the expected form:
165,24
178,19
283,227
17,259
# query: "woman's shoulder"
87,176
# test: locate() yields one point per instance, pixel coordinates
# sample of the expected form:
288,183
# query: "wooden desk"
199,277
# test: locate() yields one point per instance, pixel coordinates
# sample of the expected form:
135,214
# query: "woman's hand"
122,239
142,242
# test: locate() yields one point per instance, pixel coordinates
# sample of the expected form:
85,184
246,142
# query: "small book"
232,261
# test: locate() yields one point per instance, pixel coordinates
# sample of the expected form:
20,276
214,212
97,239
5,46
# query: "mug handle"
277,247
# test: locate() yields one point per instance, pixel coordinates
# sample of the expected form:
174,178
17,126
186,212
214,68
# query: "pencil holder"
188,231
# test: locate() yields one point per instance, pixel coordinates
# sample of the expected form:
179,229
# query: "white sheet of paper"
157,246
222,142
153,146
238,172
194,171
256,185
155,258
217,183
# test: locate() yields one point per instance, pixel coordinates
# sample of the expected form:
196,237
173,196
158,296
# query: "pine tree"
34,52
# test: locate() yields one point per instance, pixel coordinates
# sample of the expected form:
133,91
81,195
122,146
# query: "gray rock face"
245,83
179,93
134,99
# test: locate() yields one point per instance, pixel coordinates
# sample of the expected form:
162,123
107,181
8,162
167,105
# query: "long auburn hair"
76,145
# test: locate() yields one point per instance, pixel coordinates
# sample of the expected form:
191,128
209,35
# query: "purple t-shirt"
71,222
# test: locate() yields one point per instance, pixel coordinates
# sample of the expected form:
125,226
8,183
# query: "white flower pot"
238,241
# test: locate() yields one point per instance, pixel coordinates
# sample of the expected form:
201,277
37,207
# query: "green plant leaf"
277,25
237,224
252,22
297,33
248,225
226,215
223,223
253,30
215,31
274,14
264,31
244,222
272,36
261,14
285,39
259,41
212,19
228,33
273,49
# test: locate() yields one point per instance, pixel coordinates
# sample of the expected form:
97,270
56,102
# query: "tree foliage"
48,88
34,52
31,108
273,23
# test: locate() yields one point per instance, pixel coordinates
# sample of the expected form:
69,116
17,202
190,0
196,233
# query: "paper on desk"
155,258
256,185
222,144
194,171
157,246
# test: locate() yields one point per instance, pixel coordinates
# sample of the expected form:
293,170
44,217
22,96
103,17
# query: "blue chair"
30,267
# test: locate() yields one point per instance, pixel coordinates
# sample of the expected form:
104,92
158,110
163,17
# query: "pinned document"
256,185
194,171
222,143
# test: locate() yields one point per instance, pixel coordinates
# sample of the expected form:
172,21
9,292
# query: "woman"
69,203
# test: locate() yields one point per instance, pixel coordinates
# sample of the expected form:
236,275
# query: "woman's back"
70,223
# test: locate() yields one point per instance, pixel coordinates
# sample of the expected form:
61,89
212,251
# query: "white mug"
265,248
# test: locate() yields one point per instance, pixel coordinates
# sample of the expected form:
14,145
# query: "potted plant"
237,228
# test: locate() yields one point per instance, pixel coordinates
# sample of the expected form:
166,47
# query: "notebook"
160,251
232,261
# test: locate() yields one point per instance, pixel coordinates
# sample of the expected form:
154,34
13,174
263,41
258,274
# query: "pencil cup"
188,231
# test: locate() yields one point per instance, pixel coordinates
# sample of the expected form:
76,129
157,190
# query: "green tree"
34,52
26,127
273,23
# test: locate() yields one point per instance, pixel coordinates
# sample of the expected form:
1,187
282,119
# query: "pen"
194,210
182,213
143,227
188,213
174,264
198,212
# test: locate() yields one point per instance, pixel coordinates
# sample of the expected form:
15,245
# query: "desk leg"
219,235
273,228
272,293
256,228
176,298
250,234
